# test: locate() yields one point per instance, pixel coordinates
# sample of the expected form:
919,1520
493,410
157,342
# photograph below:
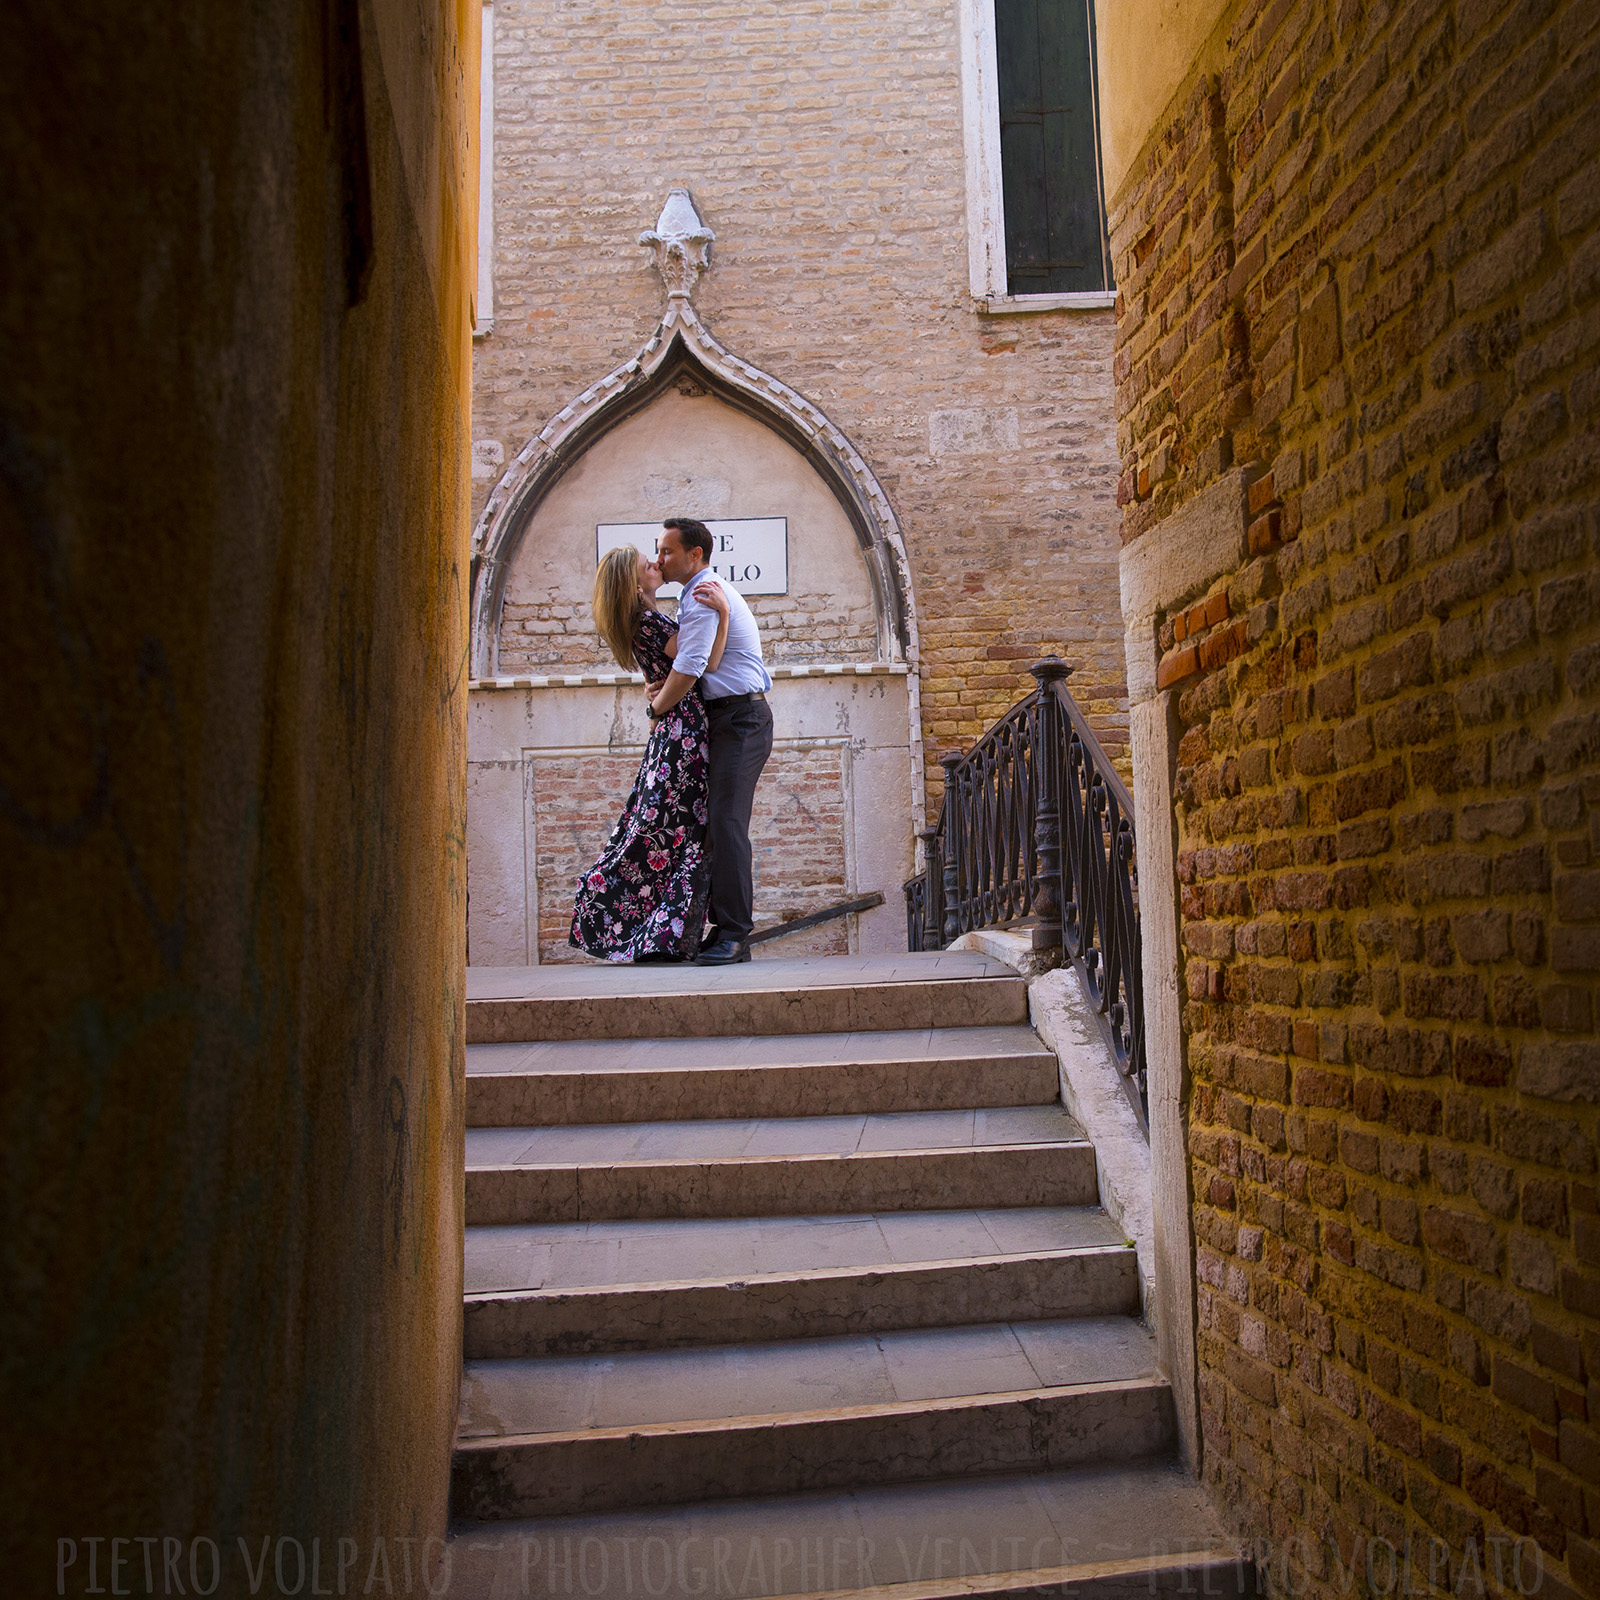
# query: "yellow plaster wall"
233,525
1146,50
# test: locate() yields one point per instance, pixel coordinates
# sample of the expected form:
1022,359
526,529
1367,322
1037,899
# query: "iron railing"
1037,823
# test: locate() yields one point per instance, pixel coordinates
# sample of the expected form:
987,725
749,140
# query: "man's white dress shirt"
742,670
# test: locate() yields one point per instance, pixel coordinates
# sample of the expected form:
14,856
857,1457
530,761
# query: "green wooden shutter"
1050,177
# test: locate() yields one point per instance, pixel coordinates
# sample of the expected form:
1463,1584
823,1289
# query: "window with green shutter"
1049,147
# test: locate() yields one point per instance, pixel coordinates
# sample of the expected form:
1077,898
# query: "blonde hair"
618,603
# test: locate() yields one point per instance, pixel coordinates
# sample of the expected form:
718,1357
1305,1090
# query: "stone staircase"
793,1277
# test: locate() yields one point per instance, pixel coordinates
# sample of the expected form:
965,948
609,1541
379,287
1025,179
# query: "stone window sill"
1011,305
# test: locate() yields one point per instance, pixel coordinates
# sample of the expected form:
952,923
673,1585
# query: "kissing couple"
674,882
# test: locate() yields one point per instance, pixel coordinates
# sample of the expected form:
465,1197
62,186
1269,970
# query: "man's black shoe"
713,936
724,953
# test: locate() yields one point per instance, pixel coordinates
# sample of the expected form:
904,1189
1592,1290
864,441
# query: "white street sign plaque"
750,553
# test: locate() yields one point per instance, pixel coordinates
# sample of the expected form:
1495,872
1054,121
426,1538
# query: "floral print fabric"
646,895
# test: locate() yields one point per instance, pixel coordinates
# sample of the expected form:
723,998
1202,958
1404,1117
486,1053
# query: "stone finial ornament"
682,244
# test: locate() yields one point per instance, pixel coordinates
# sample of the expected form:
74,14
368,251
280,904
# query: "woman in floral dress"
644,900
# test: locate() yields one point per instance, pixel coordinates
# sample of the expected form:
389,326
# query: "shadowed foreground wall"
232,516
1360,265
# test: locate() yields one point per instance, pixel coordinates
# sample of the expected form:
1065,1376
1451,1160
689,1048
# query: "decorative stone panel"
551,759
798,833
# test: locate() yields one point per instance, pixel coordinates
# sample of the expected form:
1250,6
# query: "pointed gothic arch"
681,344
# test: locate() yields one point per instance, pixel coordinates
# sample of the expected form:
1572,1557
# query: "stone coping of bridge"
607,680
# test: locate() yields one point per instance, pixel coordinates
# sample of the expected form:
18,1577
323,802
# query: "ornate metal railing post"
954,834
1051,893
933,894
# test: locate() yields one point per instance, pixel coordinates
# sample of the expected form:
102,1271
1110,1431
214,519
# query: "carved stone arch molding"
682,345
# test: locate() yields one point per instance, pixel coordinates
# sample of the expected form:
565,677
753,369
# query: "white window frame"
986,215
483,306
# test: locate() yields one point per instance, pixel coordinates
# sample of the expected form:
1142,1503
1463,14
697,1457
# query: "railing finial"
1051,670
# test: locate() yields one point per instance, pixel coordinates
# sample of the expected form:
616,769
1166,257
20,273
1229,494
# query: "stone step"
741,1186
550,1083
562,1394
588,1433
849,1134
1091,1533
1016,1156
590,1274
826,994
595,1255
1101,1280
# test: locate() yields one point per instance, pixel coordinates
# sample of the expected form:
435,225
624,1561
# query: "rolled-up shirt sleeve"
697,632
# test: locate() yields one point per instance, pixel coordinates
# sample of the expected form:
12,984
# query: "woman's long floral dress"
646,895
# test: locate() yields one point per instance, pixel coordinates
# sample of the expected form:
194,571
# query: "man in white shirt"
741,731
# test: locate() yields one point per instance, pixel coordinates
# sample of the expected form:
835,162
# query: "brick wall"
1362,261
556,636
798,832
824,146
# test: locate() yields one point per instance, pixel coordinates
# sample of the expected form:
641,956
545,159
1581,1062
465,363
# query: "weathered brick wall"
797,831
555,636
1363,261
823,144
